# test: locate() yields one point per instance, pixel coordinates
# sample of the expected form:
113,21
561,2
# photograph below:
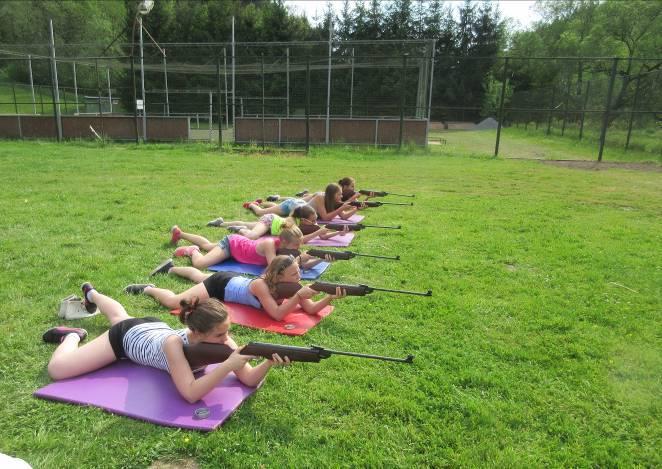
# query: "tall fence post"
165,80
75,87
403,89
581,123
220,101
233,84
135,102
307,104
502,100
211,114
287,81
262,72
634,107
225,79
605,118
351,86
328,83
56,92
142,78
427,129
551,110
34,103
110,94
96,70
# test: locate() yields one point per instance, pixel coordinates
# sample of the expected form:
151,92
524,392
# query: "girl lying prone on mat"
149,341
240,248
304,216
229,286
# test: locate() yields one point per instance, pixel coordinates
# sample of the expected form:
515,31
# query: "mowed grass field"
539,347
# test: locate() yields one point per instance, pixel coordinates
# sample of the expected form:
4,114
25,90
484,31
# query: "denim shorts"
224,244
290,204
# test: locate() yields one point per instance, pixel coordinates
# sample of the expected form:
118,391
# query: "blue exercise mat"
231,265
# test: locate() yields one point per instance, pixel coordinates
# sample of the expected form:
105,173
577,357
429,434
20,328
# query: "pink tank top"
244,250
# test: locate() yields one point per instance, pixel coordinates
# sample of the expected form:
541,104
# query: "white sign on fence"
139,104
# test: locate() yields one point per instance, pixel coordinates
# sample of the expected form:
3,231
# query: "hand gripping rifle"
344,255
382,193
289,289
372,203
356,226
201,354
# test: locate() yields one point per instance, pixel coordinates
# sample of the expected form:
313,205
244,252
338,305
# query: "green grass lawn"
540,346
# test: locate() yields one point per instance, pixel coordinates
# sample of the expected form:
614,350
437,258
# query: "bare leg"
247,224
258,230
263,211
214,256
189,273
171,300
201,242
110,308
69,360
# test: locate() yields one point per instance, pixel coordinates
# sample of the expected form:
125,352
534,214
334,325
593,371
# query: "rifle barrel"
396,258
408,359
402,195
407,292
397,227
397,203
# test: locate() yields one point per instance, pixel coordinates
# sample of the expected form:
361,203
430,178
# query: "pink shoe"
247,205
176,234
186,251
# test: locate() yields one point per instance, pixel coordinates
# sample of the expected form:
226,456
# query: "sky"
518,10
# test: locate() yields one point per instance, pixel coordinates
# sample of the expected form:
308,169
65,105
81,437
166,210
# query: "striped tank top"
143,344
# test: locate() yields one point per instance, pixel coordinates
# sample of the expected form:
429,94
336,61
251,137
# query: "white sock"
87,295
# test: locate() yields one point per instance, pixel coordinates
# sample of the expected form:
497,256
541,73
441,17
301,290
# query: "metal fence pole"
307,104
211,113
634,107
262,72
233,84
551,109
142,78
165,80
581,123
351,87
434,45
135,103
287,80
96,69
110,94
220,101
34,103
328,83
225,79
605,118
403,89
75,87
56,92
502,99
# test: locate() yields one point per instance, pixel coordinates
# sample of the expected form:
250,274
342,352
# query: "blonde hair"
276,267
290,232
202,316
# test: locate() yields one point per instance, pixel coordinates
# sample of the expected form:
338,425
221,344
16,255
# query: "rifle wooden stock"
203,353
308,354
357,226
344,255
308,229
382,193
288,252
289,289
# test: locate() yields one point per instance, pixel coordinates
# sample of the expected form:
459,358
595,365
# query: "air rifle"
289,289
382,193
201,354
374,203
344,255
357,226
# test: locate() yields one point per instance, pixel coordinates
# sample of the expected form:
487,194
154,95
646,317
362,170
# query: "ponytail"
202,316
290,232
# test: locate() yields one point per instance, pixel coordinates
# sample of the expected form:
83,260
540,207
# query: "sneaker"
162,268
186,251
247,205
137,288
55,335
258,201
273,198
302,193
175,234
235,229
89,306
217,222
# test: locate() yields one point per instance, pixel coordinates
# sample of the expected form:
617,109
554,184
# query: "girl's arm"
313,235
189,387
252,375
348,212
268,249
260,289
320,208
313,307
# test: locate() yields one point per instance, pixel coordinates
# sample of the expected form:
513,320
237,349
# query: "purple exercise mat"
145,393
353,219
338,241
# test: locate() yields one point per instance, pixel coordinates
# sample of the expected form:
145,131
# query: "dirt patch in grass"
174,464
601,166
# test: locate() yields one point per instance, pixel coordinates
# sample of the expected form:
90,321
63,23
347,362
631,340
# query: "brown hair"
276,267
303,211
202,316
330,196
346,181
290,232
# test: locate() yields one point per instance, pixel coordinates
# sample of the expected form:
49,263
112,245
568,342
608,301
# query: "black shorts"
117,332
216,283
